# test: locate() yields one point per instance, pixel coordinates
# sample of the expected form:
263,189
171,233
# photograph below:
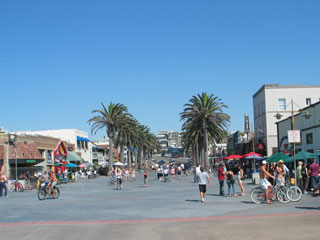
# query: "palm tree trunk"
129,156
121,153
110,156
205,146
135,159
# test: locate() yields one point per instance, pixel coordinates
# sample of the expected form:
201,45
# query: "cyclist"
264,182
119,176
52,182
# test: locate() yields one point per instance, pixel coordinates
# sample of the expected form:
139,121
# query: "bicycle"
16,186
111,182
44,192
294,193
278,192
119,183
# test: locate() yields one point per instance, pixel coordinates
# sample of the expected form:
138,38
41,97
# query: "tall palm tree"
204,118
126,128
108,117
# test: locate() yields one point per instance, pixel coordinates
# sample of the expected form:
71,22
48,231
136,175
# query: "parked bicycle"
45,192
16,186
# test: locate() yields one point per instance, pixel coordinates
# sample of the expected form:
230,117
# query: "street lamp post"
306,116
253,147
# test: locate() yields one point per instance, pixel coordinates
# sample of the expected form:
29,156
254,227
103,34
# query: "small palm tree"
204,121
109,118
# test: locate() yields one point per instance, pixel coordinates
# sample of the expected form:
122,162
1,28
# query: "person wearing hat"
264,182
280,173
221,177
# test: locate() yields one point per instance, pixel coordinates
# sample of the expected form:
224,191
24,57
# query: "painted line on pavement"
161,220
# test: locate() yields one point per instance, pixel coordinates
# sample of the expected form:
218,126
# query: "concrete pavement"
90,209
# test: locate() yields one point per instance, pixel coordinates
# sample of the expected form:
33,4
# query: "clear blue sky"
60,59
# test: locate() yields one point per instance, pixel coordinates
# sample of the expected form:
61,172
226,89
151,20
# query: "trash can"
255,178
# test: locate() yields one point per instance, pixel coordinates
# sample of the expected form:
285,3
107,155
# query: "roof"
22,150
277,86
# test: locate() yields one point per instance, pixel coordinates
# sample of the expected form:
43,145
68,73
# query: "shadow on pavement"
309,208
216,195
247,202
192,200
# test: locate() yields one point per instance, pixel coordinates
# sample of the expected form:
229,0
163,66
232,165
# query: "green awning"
73,157
96,147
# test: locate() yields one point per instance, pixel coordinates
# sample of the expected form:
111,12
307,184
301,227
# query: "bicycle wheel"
257,195
294,193
20,188
41,194
56,193
282,196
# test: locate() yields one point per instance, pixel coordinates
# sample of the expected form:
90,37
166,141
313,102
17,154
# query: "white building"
272,98
83,146
310,130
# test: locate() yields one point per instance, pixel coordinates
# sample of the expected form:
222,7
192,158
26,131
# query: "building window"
309,138
282,104
308,101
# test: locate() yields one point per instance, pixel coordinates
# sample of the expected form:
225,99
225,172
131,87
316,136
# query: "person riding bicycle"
119,175
264,182
52,182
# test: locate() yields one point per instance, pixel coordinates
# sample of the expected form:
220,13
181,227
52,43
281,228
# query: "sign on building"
294,136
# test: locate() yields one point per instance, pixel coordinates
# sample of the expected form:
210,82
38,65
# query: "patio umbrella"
255,157
302,155
88,164
231,157
118,164
253,154
315,154
71,165
82,166
279,156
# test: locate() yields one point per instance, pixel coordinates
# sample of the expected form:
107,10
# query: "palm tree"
126,128
109,118
204,121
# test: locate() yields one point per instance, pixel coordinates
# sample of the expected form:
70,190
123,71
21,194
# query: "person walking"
230,182
3,185
299,175
305,178
221,178
240,176
314,170
133,175
173,173
145,178
203,179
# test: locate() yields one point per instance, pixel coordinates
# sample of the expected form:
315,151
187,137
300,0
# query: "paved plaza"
161,210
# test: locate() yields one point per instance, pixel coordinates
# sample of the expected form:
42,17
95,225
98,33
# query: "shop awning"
73,157
95,147
82,139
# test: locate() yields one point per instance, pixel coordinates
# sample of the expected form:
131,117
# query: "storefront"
60,157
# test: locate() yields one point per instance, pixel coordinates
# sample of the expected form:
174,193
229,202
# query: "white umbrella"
118,164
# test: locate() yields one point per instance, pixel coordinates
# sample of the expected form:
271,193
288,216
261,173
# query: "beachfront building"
83,146
271,98
309,129
22,152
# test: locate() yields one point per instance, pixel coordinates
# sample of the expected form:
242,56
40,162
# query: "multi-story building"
309,129
83,146
273,98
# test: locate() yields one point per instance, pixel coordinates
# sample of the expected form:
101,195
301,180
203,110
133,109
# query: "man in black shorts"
203,179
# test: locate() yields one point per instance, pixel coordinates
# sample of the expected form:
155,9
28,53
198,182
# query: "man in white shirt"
203,179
